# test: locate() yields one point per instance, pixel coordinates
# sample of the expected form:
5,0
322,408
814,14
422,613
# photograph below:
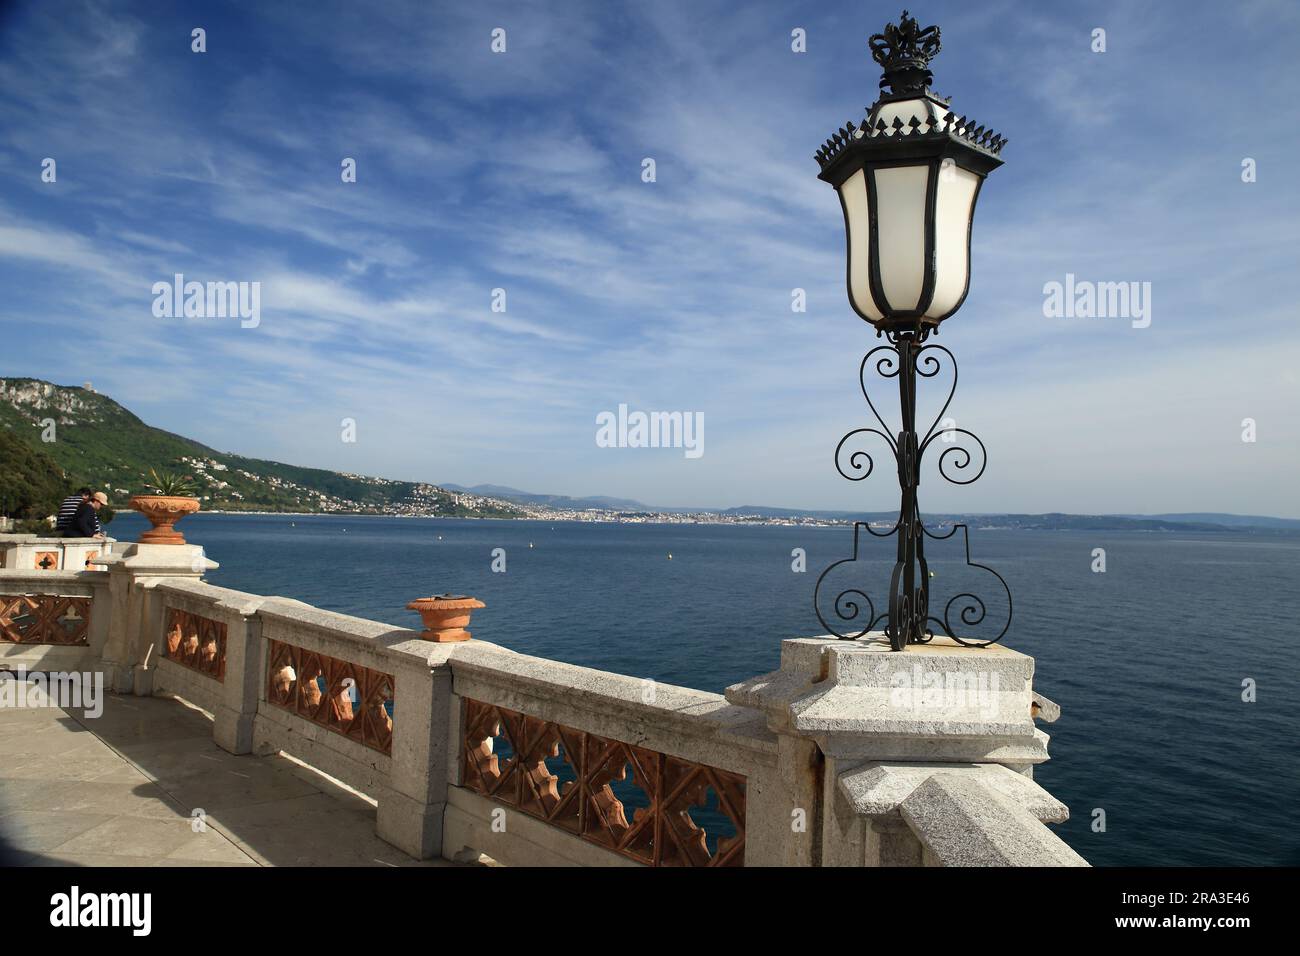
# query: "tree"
31,484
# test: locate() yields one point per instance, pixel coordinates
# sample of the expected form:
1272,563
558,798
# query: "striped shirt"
66,511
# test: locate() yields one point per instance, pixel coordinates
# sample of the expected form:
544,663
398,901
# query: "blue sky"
522,171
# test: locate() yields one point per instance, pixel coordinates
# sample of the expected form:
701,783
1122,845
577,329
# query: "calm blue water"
1146,660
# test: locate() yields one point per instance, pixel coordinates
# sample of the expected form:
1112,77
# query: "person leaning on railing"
85,522
68,509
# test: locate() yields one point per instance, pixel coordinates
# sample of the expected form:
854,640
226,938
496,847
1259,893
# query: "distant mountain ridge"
1228,520
1054,521
99,442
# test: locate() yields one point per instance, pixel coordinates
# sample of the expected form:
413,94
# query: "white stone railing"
832,760
52,620
280,675
605,769
417,774
207,649
29,552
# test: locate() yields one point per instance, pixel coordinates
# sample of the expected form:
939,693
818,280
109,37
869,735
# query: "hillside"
99,443
31,482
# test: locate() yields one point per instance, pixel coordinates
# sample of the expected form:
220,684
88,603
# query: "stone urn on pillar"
163,511
445,616
172,502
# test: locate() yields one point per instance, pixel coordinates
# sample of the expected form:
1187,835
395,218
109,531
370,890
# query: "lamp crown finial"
904,51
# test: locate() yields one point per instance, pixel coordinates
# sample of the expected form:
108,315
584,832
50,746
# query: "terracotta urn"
163,511
445,616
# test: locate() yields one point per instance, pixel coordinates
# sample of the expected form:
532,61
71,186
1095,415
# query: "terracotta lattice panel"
44,619
505,754
198,643
346,698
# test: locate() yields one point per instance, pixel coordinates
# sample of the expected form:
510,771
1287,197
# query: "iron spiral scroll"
907,617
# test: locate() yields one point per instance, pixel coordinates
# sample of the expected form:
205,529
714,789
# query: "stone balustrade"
847,755
581,744
52,620
29,552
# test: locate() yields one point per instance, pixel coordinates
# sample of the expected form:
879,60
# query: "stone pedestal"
891,724
128,653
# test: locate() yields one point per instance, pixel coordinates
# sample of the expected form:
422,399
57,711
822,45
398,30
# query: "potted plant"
173,499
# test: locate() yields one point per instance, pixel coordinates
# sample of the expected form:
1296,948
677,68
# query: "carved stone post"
410,810
234,719
136,621
892,729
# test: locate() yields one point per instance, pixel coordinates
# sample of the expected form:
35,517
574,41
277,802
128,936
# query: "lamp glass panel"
953,208
900,202
857,214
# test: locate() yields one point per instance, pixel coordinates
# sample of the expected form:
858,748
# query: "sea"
1177,667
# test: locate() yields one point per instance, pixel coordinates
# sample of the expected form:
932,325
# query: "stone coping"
12,538
961,821
570,687
38,582
879,789
855,710
867,659
343,636
199,591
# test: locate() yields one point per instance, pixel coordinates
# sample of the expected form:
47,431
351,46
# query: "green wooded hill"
31,482
97,442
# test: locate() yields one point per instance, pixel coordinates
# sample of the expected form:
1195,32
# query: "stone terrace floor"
119,790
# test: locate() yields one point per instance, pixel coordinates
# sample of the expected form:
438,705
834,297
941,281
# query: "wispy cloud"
522,171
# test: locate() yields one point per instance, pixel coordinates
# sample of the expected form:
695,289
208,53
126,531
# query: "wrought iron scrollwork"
970,607
908,617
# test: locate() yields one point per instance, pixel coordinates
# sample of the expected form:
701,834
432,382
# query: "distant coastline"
103,445
976,522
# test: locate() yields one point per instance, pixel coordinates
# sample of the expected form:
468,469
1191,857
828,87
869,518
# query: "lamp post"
908,179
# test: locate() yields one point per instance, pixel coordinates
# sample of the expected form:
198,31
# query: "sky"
522,171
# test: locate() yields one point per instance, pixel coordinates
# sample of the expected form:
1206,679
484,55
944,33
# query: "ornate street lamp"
908,179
